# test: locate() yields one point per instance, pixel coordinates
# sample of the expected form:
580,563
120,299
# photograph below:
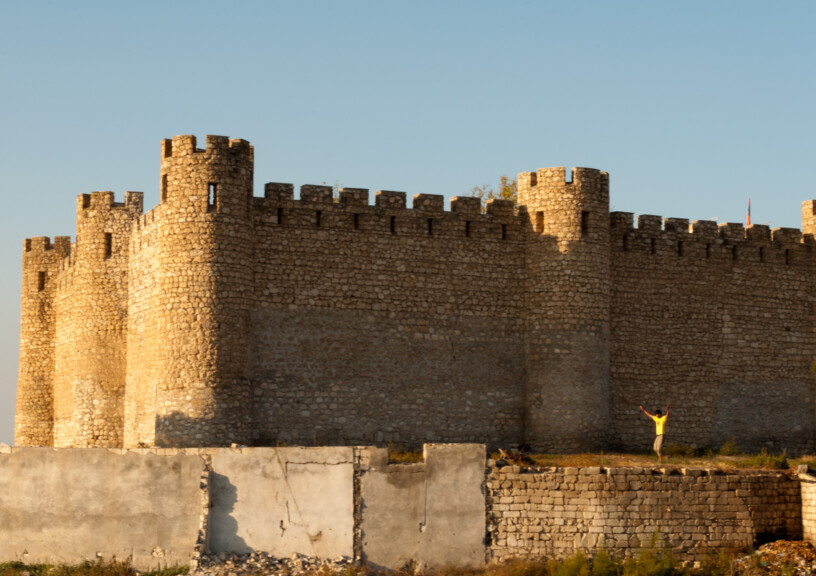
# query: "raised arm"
668,407
644,411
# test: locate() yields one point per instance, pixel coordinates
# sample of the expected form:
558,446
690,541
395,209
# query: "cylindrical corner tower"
567,295
91,331
205,285
34,417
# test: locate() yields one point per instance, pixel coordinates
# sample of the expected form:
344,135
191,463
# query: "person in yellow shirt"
660,427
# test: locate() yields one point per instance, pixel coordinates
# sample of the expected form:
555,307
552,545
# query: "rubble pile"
258,563
783,557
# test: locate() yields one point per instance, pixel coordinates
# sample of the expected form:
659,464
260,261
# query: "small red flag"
748,216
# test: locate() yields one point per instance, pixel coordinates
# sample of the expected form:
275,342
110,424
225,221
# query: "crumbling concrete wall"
282,501
70,505
431,514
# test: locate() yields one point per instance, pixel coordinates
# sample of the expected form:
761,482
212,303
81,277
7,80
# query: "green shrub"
767,460
604,564
729,449
575,565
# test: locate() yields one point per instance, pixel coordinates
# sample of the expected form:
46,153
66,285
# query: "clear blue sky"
691,107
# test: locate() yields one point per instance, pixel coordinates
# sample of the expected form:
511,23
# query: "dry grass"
726,458
112,568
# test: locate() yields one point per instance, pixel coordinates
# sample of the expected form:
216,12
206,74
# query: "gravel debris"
258,563
788,557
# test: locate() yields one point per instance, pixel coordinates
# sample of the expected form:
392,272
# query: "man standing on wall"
660,425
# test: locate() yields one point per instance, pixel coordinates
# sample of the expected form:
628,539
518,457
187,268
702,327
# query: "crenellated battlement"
186,145
725,242
316,208
557,176
105,201
61,244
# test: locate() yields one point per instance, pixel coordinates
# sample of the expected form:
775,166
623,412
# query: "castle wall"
91,327
220,318
145,340
361,334
719,323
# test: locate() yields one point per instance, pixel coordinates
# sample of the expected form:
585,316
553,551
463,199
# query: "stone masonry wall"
552,512
145,350
717,321
376,324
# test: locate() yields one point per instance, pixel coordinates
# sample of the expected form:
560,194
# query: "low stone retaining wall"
536,512
164,507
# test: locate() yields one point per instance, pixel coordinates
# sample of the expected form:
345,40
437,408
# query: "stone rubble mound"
262,563
784,557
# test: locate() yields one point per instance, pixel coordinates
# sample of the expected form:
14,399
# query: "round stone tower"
204,294
567,308
33,422
91,333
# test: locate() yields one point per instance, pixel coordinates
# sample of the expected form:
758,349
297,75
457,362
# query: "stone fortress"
218,317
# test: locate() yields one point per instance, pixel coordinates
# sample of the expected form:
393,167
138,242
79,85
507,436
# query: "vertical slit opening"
539,222
761,254
734,253
212,196
504,231
318,214
787,257
164,188
584,223
679,247
108,244
708,250
280,216
40,281
393,224
467,229
654,246
356,221
626,243
430,226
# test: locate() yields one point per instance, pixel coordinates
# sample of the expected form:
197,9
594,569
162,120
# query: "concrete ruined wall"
283,501
552,512
162,507
431,513
68,505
